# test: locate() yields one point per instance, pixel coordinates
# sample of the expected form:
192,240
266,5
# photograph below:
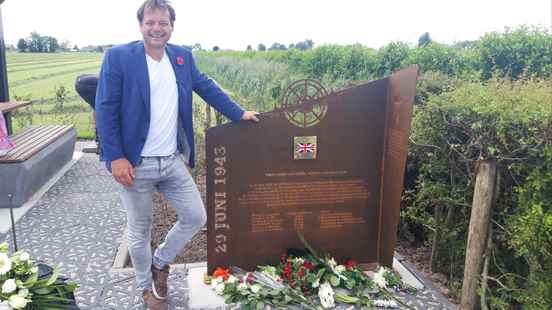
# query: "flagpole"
5,97
4,94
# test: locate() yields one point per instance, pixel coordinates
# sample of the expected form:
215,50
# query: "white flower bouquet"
310,281
21,287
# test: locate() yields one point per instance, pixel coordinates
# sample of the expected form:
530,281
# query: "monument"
330,166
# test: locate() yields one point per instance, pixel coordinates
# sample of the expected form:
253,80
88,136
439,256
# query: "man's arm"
108,120
108,103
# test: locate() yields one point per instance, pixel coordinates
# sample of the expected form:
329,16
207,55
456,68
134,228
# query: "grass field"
37,76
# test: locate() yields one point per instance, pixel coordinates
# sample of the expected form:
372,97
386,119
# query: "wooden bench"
39,153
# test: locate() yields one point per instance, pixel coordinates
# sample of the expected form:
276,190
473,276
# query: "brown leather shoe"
153,303
159,285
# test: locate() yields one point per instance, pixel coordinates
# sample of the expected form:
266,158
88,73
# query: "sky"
234,24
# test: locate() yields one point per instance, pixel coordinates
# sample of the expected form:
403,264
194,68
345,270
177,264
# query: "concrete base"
122,257
407,276
21,180
201,295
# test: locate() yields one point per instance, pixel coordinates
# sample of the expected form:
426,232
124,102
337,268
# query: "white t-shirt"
161,140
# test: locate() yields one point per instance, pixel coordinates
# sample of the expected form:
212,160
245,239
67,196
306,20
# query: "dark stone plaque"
331,168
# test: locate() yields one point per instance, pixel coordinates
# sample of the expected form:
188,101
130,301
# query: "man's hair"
156,4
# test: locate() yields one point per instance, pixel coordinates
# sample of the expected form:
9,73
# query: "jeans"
170,176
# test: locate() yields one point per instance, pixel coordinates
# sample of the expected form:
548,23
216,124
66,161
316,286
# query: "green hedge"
510,122
520,53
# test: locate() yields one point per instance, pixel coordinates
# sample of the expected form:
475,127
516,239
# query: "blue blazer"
123,101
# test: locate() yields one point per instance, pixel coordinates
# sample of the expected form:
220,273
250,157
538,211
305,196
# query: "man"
144,120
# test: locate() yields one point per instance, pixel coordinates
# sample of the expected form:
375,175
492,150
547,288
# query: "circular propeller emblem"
300,103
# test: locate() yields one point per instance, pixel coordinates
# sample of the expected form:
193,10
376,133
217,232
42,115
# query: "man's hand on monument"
250,116
122,171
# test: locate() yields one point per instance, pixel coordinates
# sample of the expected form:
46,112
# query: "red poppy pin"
180,60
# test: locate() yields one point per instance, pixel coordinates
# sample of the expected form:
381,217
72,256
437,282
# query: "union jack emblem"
304,147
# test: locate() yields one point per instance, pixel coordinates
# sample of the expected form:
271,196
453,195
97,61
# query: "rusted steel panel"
315,165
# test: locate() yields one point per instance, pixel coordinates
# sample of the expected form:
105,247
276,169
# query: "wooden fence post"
207,116
478,229
219,118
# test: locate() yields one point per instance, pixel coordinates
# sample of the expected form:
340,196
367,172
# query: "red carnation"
249,278
287,271
180,60
301,272
308,265
350,264
221,272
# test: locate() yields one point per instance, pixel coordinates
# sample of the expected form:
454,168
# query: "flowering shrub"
21,287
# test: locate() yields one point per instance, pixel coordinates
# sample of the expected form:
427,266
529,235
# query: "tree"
277,46
249,48
261,47
76,48
22,45
51,44
424,39
216,48
305,45
64,45
390,58
197,47
61,96
35,43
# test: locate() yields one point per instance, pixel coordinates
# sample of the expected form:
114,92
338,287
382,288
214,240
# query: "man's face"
156,28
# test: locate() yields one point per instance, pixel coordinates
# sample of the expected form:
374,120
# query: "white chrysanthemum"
340,269
24,256
255,288
379,278
5,263
216,281
23,292
332,263
299,260
385,303
220,288
4,305
316,283
232,279
242,288
17,302
269,270
9,286
326,295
